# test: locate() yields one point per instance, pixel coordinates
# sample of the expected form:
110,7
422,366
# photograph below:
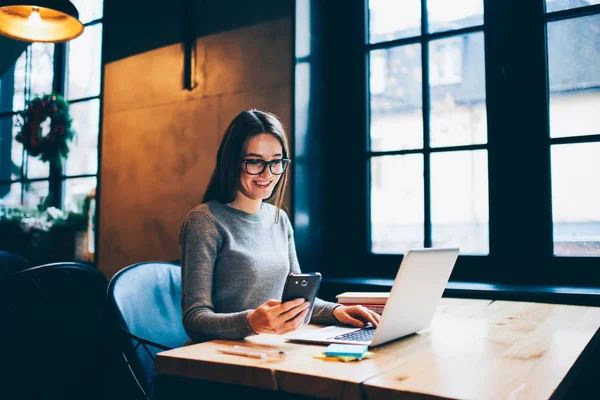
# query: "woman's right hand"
277,317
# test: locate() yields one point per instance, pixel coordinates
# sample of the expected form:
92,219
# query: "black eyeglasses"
257,167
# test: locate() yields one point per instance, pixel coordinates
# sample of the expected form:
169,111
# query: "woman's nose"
267,172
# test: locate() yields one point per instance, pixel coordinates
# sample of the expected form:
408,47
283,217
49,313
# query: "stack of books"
372,300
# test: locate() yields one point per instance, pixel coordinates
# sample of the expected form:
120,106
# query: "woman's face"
260,147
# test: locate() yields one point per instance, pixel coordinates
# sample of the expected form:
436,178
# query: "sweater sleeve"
199,245
323,310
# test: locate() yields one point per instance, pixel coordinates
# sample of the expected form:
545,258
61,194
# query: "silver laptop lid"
415,295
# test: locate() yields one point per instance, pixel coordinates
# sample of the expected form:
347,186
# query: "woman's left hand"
356,316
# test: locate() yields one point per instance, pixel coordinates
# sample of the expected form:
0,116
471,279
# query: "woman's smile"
263,184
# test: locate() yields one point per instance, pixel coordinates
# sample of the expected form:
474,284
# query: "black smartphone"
303,286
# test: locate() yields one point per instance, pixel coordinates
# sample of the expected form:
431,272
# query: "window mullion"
56,184
520,236
426,126
532,104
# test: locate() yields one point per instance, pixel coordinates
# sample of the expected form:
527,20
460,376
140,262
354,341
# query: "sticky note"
349,350
322,356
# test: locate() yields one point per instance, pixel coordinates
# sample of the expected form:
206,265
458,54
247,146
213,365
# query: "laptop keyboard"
363,335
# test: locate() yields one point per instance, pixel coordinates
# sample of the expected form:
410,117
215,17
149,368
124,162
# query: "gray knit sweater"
231,263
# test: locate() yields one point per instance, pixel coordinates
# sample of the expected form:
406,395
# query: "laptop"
413,300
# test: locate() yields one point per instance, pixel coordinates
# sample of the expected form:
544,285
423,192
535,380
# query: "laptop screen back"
415,295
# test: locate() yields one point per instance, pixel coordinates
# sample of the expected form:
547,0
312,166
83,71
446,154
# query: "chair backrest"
51,331
144,302
11,263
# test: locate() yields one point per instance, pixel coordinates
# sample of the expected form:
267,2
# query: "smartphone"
304,286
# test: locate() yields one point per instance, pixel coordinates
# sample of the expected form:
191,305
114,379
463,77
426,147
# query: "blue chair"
144,305
51,332
11,263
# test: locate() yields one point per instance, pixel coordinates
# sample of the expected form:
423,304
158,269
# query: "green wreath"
53,147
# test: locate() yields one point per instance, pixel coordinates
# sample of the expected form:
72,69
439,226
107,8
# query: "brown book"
364,298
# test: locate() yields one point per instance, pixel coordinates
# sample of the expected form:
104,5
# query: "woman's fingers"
359,316
293,312
276,317
295,322
377,316
274,313
368,316
288,305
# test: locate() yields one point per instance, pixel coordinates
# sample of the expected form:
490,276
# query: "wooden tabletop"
473,349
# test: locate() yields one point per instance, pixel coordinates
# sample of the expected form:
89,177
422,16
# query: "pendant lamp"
49,21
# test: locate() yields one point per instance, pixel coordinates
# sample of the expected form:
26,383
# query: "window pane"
89,10
10,194
42,74
302,101
11,151
397,203
42,71
557,5
34,167
84,64
574,76
444,15
459,201
83,154
303,32
457,85
396,98
393,19
576,199
19,82
76,191
35,193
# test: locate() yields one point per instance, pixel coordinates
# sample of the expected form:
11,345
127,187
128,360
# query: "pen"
239,352
266,351
276,353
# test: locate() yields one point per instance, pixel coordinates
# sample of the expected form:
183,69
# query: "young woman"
237,250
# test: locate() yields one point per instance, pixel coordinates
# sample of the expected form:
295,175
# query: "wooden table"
473,349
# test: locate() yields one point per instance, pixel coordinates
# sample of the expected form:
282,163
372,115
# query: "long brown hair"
225,181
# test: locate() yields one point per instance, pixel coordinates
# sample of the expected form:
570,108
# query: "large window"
73,70
428,126
469,123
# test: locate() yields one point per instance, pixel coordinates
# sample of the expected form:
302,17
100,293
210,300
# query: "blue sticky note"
346,350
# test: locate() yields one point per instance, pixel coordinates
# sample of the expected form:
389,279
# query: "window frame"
520,214
424,39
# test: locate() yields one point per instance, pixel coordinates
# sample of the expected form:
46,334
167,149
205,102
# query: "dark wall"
329,189
137,26
10,49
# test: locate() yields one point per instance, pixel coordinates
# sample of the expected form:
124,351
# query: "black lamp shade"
58,20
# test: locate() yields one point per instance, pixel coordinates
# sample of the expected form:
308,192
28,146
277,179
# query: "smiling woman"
259,182
237,249
251,138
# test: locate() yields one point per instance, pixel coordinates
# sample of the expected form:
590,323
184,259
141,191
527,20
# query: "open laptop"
413,300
